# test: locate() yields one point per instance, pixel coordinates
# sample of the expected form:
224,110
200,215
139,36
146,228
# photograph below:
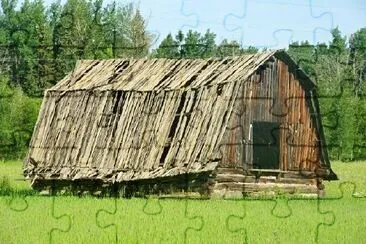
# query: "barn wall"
272,94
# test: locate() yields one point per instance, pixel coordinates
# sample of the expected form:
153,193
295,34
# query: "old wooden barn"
214,126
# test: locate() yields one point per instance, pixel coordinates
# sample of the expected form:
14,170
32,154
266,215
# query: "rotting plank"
93,130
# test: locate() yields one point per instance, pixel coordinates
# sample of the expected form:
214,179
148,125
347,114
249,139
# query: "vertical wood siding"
272,94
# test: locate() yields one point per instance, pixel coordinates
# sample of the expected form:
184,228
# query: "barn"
201,126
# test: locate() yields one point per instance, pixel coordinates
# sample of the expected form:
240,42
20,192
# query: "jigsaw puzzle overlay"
336,218
238,21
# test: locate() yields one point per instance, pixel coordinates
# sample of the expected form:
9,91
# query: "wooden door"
266,145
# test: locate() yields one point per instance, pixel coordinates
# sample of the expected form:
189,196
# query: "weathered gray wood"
86,131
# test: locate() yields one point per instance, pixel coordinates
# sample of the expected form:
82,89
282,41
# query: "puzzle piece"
155,33
167,214
332,118
153,138
183,10
81,216
327,14
275,217
134,220
309,58
229,150
53,231
329,102
9,204
349,220
239,21
281,36
236,136
198,16
337,117
209,216
20,214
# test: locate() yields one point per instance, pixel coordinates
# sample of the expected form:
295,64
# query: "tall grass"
69,219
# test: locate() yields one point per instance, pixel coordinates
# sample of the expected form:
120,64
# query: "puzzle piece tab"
349,208
243,21
269,221
21,215
133,220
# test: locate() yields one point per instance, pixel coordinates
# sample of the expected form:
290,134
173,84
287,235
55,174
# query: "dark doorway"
266,145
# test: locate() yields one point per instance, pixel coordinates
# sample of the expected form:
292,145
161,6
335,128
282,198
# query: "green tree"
168,48
357,45
209,44
18,114
139,37
197,45
25,32
116,29
192,47
337,98
227,48
305,55
35,54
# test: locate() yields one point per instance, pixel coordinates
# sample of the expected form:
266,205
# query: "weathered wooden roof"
99,123
122,135
159,74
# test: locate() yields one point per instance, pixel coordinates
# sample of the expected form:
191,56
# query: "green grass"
36,219
11,172
354,172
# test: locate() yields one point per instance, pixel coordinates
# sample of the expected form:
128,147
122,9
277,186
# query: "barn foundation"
225,183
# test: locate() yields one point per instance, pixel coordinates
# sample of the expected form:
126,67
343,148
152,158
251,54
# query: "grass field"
339,218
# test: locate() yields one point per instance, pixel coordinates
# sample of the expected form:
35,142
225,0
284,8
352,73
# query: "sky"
261,23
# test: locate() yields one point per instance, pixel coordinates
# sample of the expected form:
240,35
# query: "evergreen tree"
227,48
139,38
168,48
39,45
304,54
25,34
209,44
357,45
193,46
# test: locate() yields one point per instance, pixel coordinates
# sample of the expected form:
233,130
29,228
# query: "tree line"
40,44
339,71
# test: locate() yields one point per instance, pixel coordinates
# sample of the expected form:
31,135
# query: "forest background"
40,44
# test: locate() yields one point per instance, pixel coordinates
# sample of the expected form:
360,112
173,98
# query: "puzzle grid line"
319,227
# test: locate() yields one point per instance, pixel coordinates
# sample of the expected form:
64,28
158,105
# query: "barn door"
266,146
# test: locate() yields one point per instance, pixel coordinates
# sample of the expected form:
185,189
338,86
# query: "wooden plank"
230,170
234,178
